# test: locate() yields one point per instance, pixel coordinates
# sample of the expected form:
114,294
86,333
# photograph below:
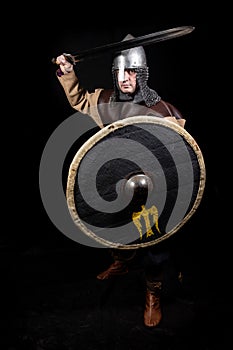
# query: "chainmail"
142,94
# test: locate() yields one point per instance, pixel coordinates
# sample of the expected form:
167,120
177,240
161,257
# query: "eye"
131,71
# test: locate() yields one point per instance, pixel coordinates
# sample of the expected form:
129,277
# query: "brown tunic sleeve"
79,98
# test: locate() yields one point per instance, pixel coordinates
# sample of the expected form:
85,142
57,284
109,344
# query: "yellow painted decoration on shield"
145,214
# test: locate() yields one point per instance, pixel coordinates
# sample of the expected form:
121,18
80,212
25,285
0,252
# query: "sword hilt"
70,58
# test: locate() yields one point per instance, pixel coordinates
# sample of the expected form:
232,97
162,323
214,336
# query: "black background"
184,71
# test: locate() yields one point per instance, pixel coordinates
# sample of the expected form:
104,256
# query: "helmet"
134,58
129,59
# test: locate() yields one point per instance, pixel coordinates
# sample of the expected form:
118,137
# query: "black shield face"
135,182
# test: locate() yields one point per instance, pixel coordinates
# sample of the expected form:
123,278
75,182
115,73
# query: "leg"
155,262
152,311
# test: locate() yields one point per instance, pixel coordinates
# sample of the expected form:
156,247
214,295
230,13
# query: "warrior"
130,74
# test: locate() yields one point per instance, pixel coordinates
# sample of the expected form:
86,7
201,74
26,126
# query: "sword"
127,44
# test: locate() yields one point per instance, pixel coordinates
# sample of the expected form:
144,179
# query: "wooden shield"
135,182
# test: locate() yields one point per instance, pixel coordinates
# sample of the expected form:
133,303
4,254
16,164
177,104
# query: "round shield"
135,182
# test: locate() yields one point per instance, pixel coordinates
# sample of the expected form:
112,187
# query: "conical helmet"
129,59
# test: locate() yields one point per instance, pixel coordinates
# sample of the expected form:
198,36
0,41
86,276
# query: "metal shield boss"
135,182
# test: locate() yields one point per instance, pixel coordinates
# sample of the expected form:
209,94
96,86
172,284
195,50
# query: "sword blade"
127,44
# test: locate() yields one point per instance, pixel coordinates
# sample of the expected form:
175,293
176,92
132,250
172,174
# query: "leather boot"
152,311
119,266
115,269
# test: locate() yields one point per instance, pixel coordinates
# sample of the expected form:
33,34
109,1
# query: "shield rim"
100,135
